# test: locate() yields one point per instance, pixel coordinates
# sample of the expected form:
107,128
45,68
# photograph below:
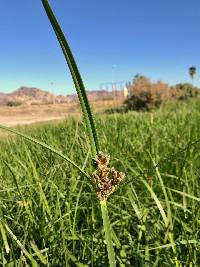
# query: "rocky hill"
34,96
31,96
2,98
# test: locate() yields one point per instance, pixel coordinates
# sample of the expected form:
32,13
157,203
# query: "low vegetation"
13,103
146,95
50,213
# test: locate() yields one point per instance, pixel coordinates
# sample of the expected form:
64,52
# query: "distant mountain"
3,98
34,96
31,96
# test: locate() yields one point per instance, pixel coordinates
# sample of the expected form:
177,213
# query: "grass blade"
42,144
21,246
185,194
4,237
162,212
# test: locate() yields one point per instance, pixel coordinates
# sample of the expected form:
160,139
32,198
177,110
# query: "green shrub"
145,95
185,90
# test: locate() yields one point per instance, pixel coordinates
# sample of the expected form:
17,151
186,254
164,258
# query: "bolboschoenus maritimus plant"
104,179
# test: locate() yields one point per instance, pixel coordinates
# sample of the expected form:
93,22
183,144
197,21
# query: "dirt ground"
12,116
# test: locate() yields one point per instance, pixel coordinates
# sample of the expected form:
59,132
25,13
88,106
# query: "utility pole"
53,100
113,81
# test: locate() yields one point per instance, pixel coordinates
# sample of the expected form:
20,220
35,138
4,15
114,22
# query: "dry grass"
12,116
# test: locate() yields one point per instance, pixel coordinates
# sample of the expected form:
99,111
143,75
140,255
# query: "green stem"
107,229
76,76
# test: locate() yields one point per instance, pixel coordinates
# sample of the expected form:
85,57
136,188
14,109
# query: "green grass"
50,214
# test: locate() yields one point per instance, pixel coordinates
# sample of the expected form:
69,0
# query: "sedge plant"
104,179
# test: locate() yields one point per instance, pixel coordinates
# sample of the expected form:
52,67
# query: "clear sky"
120,38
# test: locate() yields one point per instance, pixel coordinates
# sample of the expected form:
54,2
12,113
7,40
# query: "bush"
184,91
145,95
13,103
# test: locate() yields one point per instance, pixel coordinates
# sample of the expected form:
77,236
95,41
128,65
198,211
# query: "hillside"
31,96
35,96
2,98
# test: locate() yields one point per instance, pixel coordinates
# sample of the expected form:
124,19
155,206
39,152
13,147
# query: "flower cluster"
105,179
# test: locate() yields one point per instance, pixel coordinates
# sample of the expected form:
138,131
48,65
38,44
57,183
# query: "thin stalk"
4,237
107,230
76,76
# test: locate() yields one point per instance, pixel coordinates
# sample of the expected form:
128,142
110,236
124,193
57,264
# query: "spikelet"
105,179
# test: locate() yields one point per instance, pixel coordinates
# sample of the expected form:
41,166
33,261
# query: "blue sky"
120,38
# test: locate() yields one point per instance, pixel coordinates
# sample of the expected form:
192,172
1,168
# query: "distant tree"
192,72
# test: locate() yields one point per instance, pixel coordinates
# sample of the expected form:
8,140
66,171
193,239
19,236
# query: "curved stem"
76,76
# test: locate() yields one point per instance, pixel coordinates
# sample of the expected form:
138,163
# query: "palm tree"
192,72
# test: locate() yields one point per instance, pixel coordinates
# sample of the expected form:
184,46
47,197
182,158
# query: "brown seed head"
102,160
105,179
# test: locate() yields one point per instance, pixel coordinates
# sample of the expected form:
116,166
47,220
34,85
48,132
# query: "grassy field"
50,215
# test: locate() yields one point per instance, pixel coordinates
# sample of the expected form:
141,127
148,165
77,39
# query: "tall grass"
50,214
